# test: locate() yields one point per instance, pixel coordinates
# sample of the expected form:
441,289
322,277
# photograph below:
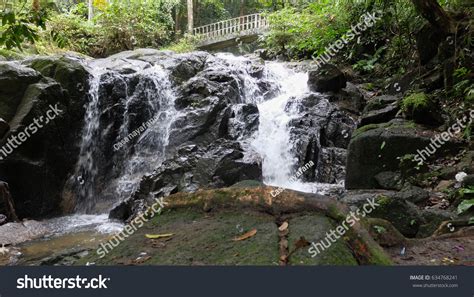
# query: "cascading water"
150,148
272,142
121,101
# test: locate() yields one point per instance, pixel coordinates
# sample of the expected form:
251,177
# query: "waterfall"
273,141
140,142
150,148
130,114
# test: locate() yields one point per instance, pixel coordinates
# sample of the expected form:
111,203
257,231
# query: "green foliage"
465,205
119,26
183,45
380,229
20,23
304,33
368,65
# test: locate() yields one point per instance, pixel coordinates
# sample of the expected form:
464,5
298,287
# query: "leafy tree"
20,23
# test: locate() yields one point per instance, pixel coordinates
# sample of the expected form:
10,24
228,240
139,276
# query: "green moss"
199,239
415,102
313,228
368,127
247,184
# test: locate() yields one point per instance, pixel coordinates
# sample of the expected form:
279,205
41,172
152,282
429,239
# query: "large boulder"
51,117
14,80
327,78
377,148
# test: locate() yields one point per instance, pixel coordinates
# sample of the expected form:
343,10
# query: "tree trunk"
8,202
176,19
190,17
435,14
90,13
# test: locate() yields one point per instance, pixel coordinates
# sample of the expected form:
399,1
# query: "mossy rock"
385,233
377,148
313,228
421,108
205,224
247,184
200,238
402,214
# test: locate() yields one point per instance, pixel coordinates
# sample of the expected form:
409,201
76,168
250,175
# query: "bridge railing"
244,23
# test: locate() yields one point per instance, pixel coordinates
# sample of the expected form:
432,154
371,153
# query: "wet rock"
3,219
321,134
328,78
4,128
349,98
380,115
15,233
242,121
188,66
14,79
36,170
380,102
403,214
192,167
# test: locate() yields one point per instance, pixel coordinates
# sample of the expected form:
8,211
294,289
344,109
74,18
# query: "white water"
150,148
273,138
273,142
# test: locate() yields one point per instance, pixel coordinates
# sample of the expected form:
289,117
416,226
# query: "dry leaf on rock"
156,236
247,235
283,226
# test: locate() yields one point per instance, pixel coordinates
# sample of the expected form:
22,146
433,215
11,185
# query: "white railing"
251,22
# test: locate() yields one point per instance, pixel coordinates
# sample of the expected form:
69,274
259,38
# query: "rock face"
322,135
375,149
328,78
399,208
37,169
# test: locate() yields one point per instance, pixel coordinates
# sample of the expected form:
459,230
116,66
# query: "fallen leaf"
247,235
156,236
283,226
